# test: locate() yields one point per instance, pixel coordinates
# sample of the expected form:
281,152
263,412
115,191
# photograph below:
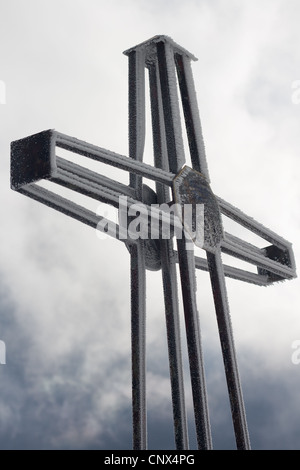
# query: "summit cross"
34,158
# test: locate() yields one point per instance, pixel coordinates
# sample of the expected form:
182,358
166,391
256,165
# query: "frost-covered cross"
35,158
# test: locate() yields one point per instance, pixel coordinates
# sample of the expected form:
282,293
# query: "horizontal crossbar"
38,152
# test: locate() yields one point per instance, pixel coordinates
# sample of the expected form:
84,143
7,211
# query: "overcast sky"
64,294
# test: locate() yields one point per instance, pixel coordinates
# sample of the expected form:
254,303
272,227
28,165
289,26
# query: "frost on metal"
32,159
191,188
149,47
37,158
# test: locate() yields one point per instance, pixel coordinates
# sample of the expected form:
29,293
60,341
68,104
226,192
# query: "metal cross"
34,158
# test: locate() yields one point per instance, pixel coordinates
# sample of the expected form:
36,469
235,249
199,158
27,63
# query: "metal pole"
228,350
169,275
137,256
214,260
174,142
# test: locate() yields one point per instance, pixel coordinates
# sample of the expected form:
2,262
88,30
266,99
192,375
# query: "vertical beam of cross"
175,150
169,274
228,349
168,263
137,255
214,260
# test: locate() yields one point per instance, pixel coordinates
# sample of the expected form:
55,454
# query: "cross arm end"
33,158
